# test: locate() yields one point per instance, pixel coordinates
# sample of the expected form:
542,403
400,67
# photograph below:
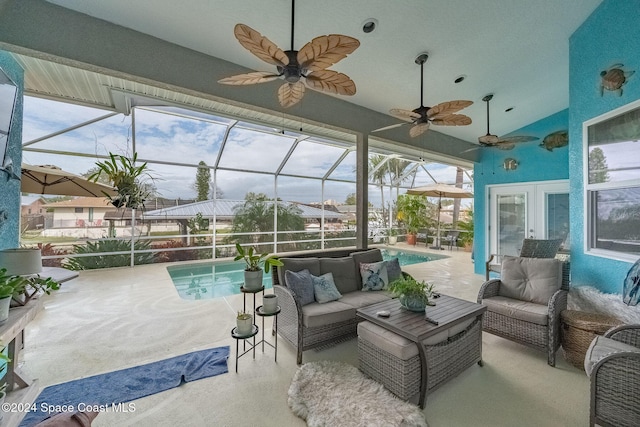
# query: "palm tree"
396,168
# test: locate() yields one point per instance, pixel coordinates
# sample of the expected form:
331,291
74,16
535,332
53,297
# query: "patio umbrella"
440,190
49,179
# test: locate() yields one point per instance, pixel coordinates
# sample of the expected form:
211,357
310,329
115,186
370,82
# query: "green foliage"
127,178
413,212
197,225
13,286
351,199
108,261
256,261
256,215
598,166
242,315
202,184
467,227
410,287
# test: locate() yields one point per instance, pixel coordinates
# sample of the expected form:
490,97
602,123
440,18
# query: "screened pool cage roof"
106,114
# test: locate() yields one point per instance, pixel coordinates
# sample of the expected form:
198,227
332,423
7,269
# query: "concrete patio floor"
113,319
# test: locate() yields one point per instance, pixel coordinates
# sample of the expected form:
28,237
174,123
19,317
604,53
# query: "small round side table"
238,337
263,314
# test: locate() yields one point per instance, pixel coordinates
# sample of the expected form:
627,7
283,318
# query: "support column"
362,191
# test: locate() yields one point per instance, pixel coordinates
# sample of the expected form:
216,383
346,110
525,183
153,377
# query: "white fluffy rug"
587,298
329,393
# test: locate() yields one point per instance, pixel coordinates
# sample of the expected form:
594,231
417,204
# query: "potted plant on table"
244,323
412,212
256,263
413,295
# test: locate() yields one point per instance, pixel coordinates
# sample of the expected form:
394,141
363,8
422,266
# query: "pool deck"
113,319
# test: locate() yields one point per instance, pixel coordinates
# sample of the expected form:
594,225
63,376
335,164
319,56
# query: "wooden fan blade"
331,81
515,139
249,78
446,108
406,115
324,51
290,93
505,145
452,120
390,127
471,149
260,46
418,129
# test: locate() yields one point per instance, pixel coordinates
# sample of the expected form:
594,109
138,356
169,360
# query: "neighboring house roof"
224,209
82,202
29,200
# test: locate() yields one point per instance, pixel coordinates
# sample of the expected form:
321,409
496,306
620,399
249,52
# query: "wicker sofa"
314,325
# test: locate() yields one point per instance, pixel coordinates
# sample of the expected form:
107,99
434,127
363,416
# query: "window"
612,159
77,210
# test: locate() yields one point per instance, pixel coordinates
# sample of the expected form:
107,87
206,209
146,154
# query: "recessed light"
509,109
460,79
369,25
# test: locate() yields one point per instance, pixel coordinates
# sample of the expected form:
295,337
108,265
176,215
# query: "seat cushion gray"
343,272
522,310
315,314
362,299
530,279
601,347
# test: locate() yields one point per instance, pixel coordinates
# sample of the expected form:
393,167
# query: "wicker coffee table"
579,328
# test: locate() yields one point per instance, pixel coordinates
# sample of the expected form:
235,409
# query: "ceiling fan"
504,143
421,117
310,62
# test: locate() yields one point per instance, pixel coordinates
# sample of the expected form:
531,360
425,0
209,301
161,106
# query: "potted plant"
393,236
9,286
466,238
127,178
413,295
255,264
244,323
412,212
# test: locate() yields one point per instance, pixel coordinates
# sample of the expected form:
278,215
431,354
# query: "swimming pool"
219,279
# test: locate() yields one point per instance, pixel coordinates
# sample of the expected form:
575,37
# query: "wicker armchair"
531,248
533,317
613,365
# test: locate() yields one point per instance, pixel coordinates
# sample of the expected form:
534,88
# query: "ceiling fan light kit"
422,117
310,62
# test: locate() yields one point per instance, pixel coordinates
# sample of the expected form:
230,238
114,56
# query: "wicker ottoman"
394,361
579,328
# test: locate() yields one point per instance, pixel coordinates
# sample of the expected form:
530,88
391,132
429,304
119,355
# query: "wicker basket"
579,328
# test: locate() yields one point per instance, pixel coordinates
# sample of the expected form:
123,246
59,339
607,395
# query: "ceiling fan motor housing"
292,71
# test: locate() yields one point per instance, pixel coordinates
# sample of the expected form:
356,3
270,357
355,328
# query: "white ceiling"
516,49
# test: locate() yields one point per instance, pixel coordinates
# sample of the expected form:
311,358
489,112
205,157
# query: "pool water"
214,279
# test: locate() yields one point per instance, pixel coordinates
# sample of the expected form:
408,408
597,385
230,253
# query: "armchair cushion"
530,279
522,310
301,284
601,347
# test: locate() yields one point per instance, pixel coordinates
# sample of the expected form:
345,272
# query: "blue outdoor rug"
129,384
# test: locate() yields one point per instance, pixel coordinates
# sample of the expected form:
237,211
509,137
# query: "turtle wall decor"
613,79
555,140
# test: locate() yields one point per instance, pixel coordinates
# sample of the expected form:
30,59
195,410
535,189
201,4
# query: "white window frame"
590,189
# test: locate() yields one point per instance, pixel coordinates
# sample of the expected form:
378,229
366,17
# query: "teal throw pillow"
325,288
394,271
300,283
374,276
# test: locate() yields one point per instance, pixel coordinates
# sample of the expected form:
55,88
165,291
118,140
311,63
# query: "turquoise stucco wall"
10,190
610,35
535,164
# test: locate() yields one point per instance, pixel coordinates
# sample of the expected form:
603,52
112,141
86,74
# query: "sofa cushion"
372,255
301,285
522,310
393,269
530,279
601,347
324,288
316,314
374,276
362,299
297,264
343,273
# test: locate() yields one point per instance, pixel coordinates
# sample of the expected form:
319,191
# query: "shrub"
107,261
